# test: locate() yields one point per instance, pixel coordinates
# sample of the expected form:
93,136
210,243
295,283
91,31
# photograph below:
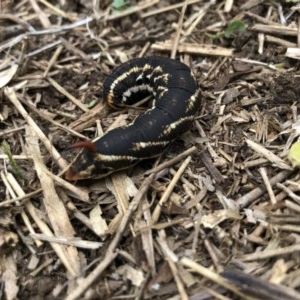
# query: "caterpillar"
176,101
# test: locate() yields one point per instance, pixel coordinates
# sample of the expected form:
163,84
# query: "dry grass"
214,217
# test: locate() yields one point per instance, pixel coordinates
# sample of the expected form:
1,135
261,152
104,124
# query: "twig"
248,198
110,253
166,195
268,253
172,161
167,8
63,91
179,27
266,180
11,95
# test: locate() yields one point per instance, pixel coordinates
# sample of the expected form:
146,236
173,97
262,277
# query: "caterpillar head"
91,164
87,164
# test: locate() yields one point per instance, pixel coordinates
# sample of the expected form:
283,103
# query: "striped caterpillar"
176,101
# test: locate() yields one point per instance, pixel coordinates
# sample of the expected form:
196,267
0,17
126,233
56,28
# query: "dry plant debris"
216,216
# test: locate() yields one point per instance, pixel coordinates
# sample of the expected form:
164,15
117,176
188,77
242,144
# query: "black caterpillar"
176,94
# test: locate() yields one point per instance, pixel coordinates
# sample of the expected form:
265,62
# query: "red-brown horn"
86,145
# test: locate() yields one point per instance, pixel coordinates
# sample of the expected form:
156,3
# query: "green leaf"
91,103
294,154
235,27
14,165
120,4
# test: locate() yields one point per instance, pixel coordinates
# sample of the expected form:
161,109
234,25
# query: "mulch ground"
216,216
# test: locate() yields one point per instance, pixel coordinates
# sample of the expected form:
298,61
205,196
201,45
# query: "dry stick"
268,186
41,266
253,163
42,49
53,60
169,190
67,94
167,8
298,33
256,62
96,9
177,37
77,213
75,50
69,241
273,158
70,26
195,48
200,14
8,131
15,19
291,205
276,29
55,209
8,180
228,5
11,95
195,267
11,42
289,192
16,156
79,193
55,9
172,259
259,19
293,186
271,253
164,225
261,36
111,254
289,228
147,235
172,161
53,122
41,14
213,171
248,198
60,251
21,198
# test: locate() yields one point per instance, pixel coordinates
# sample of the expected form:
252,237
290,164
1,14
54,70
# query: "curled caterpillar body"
176,100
